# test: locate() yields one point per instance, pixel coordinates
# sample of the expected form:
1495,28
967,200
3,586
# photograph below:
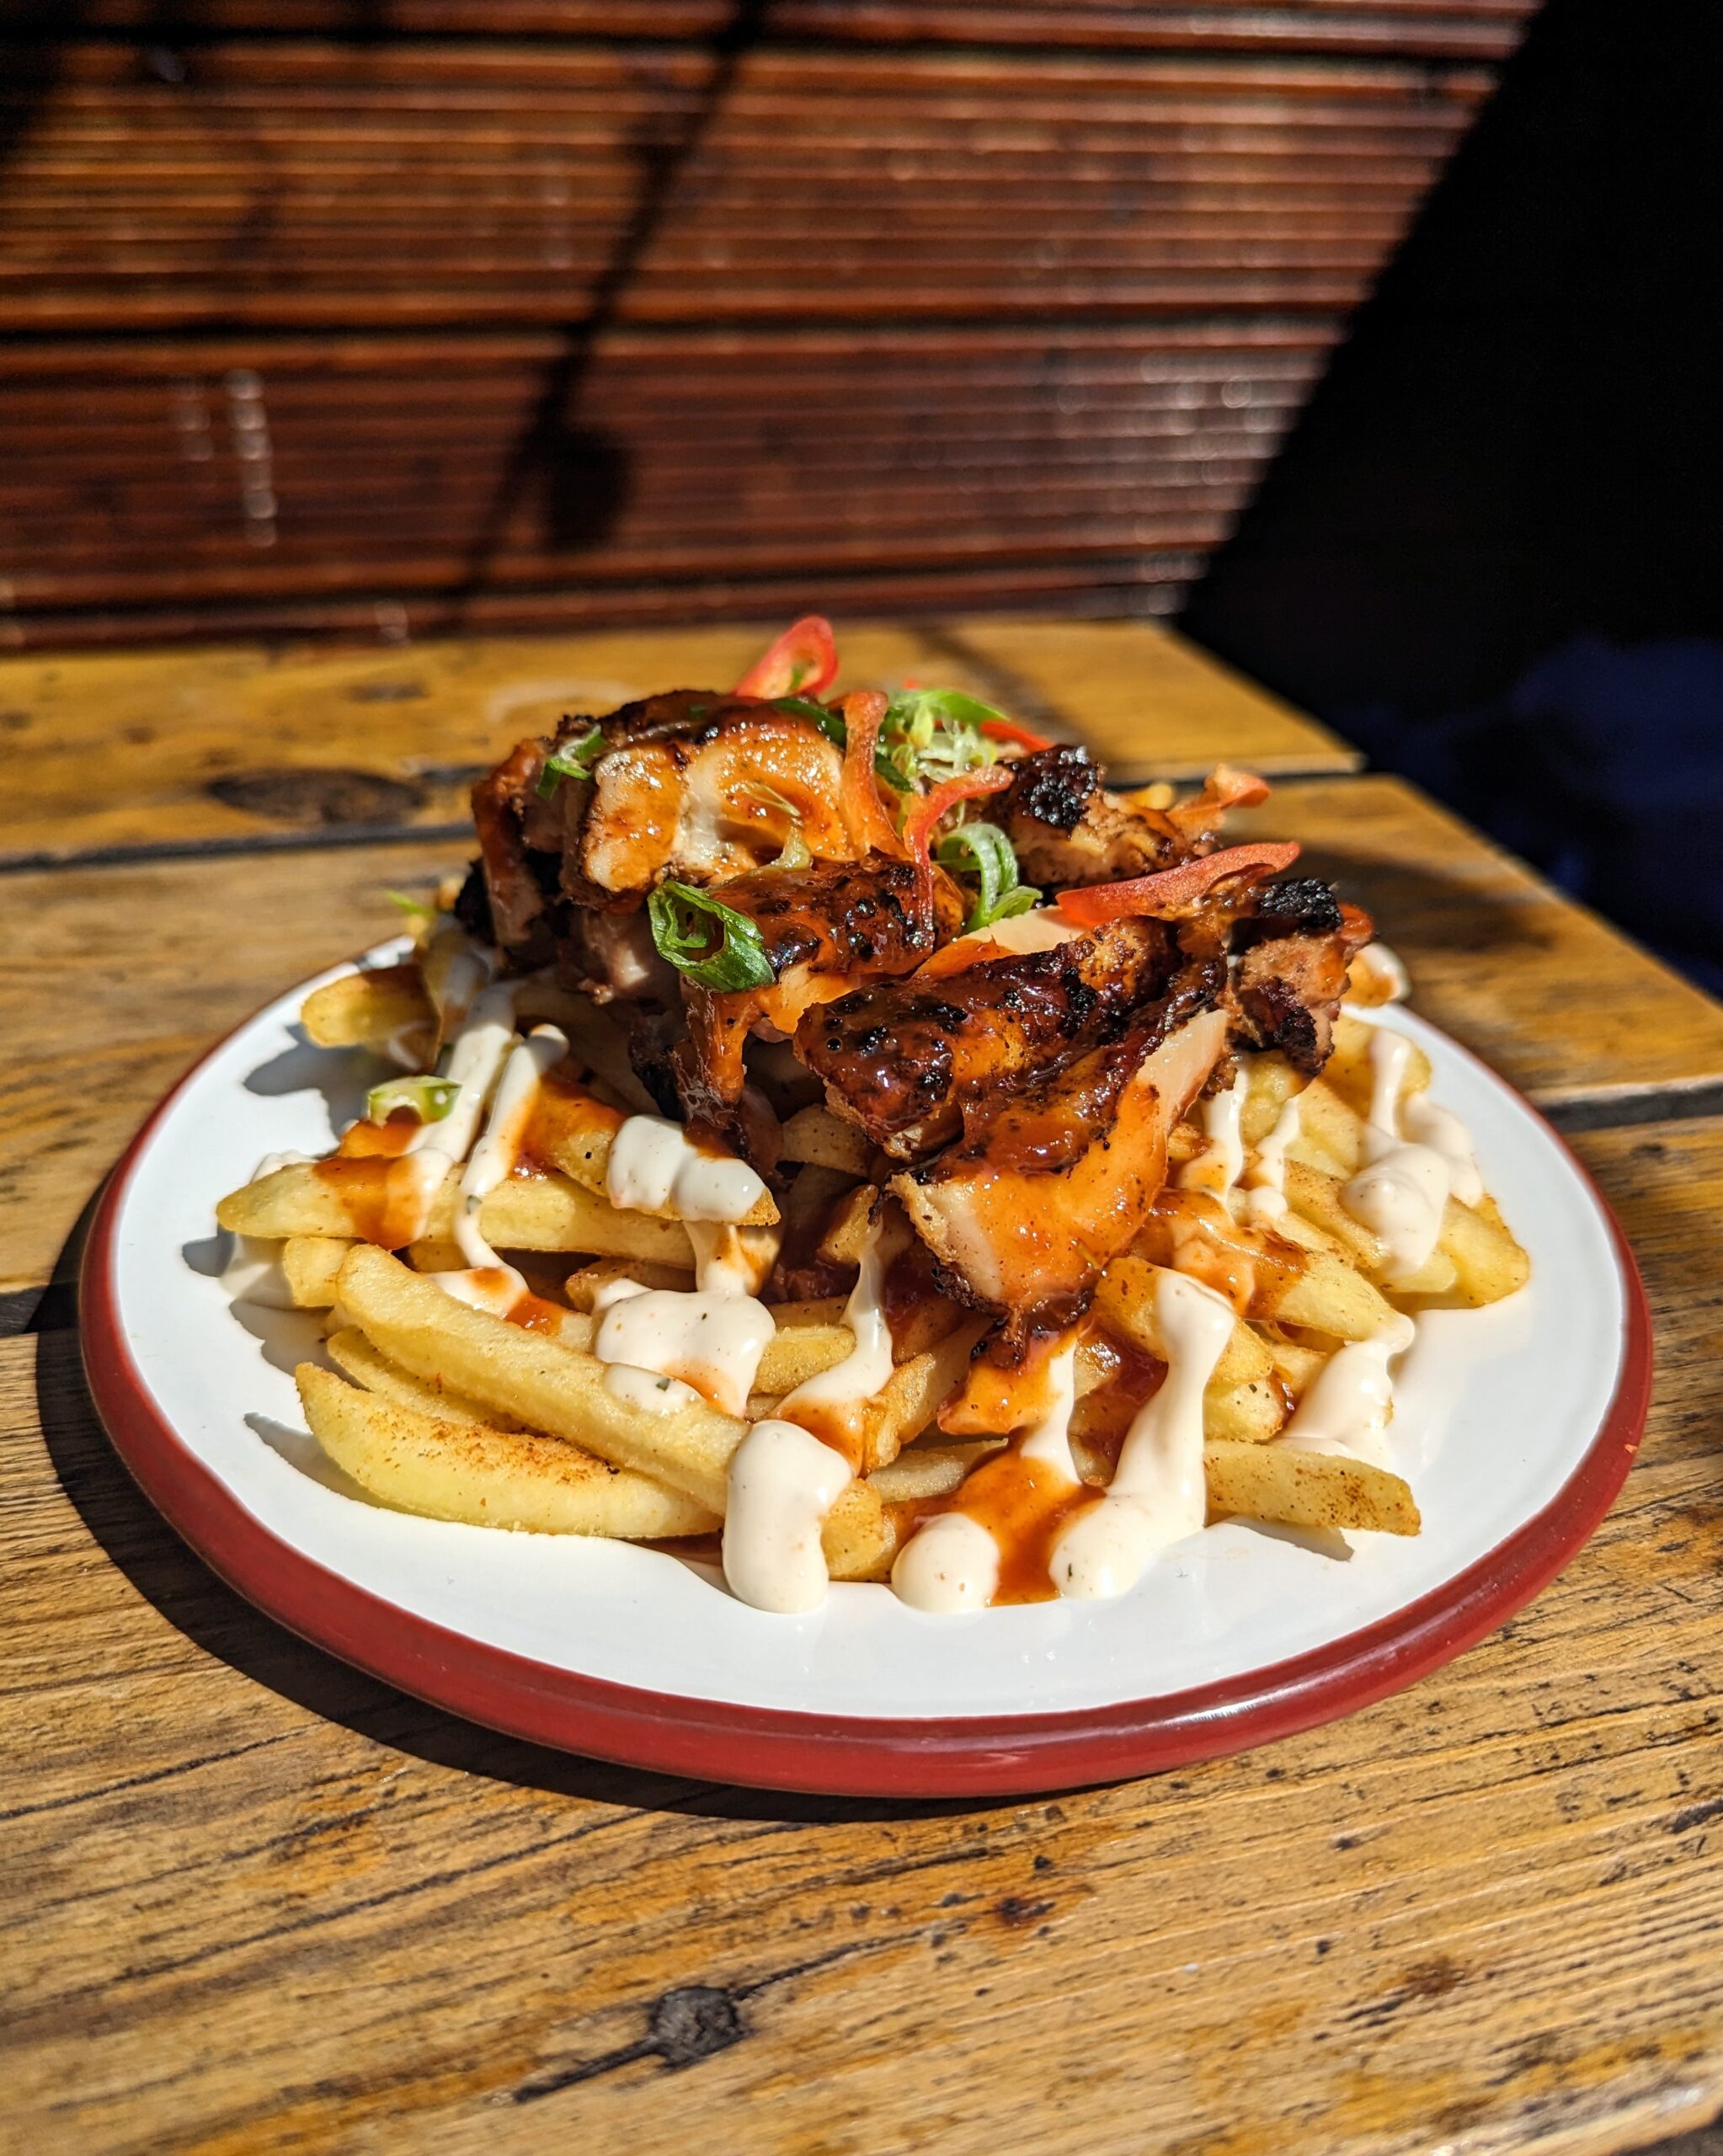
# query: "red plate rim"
1003,1755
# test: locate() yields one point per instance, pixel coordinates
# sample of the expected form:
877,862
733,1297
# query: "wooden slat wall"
536,312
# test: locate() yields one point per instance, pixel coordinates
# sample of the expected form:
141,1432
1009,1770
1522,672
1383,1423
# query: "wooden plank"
286,181
1450,29
114,979
1149,704
1581,1019
170,749
1482,1915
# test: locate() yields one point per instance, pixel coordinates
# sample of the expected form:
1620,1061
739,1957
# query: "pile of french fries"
449,1412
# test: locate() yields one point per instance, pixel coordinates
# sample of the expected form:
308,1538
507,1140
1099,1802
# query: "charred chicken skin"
1009,979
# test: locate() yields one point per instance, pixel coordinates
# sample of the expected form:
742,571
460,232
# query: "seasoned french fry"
915,1393
856,1537
1488,1263
1295,1365
1124,1301
550,1388
367,1366
1273,1083
593,1039
1291,1488
1327,1294
816,1135
1348,1070
1317,1197
447,1468
365,1010
584,1284
581,1151
799,1350
1331,1132
311,1263
1249,1413
920,1471
846,1233
545,1212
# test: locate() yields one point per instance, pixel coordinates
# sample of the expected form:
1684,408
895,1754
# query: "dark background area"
1488,551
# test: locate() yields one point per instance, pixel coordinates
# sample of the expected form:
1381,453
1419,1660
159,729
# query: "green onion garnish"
685,921
574,759
805,707
932,734
430,1099
419,912
984,851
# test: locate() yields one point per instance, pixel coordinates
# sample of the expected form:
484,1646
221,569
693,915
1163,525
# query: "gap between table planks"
114,979
1479,1917
169,751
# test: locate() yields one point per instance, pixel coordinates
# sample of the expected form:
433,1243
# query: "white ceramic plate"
1514,1425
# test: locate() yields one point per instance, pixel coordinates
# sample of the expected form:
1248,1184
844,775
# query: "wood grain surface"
172,953
557,310
237,742
255,1903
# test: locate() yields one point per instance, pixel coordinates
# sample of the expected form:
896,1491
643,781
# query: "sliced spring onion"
430,1099
421,912
574,759
714,945
797,853
930,734
984,851
829,722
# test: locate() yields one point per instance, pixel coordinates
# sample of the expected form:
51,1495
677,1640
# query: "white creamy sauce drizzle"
868,1365
1351,1399
1158,1494
1216,1168
253,1273
711,1341
1400,1191
732,1260
1442,1130
1381,974
952,1562
653,1168
949,1564
648,1390
783,1481
1265,1179
497,1151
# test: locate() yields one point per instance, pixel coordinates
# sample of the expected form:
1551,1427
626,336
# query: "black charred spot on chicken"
1302,905
472,906
1279,1020
1055,786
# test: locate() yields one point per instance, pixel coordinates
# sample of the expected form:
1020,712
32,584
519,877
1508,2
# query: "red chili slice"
802,663
1171,891
864,814
923,818
1007,730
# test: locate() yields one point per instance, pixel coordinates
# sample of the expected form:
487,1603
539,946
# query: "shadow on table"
179,1584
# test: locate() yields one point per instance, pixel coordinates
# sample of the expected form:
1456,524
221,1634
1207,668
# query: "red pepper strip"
1006,729
923,818
870,827
1171,891
1223,789
804,661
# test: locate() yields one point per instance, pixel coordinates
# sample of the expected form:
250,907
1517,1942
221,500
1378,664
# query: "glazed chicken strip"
905,1060
1025,1212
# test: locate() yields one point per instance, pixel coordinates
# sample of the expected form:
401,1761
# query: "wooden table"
253,1901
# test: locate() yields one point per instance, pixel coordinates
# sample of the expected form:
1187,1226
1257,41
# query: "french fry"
1273,1083
368,1008
1295,1365
551,1388
1290,1488
1246,1414
593,1039
447,1468
1124,1301
582,1285
1321,1289
846,1232
816,1135
1488,1263
921,1472
367,1366
801,1349
1330,1135
547,1212
1348,1069
310,1263
1317,1197
582,1152
915,1393
1327,1294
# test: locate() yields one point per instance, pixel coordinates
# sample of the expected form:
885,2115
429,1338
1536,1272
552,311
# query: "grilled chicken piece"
518,886
1027,1211
1066,828
824,929
907,1059
1294,948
